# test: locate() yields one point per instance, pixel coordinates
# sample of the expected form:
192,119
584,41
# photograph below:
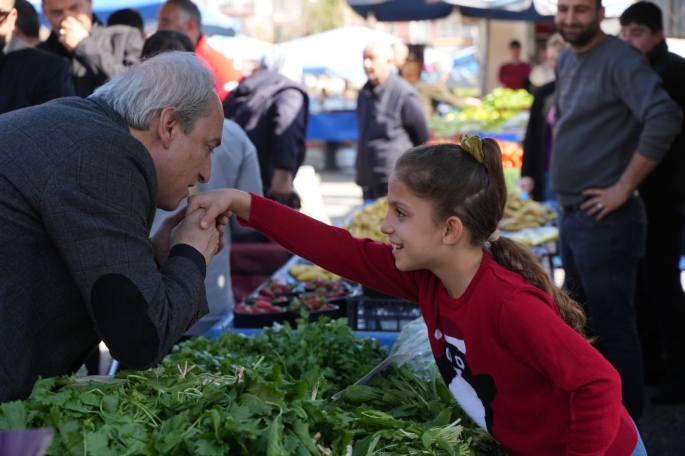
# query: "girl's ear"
454,230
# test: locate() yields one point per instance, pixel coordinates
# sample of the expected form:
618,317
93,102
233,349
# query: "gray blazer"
77,200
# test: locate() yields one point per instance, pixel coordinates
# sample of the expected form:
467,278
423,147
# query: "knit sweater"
507,356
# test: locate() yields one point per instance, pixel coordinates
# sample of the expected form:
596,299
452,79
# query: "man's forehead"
64,4
6,5
572,3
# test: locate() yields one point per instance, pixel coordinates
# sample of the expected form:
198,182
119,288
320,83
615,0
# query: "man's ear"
602,14
454,230
168,127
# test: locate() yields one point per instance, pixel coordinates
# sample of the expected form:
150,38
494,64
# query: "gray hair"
172,78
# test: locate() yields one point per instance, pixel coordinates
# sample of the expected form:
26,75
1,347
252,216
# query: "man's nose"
206,172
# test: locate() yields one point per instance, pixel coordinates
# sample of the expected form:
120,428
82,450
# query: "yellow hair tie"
474,146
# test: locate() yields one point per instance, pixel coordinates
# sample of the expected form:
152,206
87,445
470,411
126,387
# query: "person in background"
537,147
28,76
129,17
659,300
431,93
94,52
390,120
614,124
540,74
184,16
401,54
234,165
273,110
512,75
27,27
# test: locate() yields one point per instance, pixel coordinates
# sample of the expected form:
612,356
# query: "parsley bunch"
332,347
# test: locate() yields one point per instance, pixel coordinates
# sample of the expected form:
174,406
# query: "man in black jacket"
28,77
94,52
660,301
273,110
390,120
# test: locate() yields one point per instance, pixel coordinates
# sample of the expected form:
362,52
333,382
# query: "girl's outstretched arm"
361,260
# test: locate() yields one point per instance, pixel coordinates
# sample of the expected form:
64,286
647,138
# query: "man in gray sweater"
80,181
614,125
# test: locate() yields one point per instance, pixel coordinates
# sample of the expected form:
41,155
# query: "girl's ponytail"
519,259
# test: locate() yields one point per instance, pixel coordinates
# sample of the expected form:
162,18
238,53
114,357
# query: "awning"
416,10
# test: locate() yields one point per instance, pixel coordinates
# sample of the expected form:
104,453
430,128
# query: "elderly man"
80,181
28,77
390,120
94,52
184,16
614,124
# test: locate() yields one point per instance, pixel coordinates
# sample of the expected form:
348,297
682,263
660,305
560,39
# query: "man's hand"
161,240
71,33
605,200
206,241
281,184
527,184
220,203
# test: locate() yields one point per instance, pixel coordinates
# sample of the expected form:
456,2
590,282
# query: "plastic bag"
413,339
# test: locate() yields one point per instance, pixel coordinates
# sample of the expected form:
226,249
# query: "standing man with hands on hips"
614,123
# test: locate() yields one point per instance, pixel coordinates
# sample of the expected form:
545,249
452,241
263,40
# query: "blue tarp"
336,126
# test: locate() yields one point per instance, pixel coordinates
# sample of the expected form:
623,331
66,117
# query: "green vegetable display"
334,349
497,106
261,409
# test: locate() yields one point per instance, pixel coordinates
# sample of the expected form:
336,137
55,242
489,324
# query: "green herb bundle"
341,356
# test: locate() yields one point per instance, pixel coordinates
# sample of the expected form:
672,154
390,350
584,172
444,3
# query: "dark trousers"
659,297
601,259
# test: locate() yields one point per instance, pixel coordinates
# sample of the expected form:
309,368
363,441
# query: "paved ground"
663,429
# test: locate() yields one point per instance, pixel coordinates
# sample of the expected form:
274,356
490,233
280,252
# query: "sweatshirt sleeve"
361,260
95,209
639,87
538,336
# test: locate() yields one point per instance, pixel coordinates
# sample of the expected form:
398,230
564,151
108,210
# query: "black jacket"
29,77
533,165
107,52
273,111
390,119
667,181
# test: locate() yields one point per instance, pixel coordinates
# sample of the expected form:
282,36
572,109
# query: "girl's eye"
400,213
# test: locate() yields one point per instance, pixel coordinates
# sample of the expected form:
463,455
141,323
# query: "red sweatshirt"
515,367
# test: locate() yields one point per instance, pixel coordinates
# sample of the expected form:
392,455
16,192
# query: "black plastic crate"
374,314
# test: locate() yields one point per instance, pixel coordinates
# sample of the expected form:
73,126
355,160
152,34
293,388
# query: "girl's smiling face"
417,241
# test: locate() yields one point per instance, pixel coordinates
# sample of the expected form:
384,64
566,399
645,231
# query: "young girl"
508,343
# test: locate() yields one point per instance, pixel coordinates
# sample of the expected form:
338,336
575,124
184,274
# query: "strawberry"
268,293
261,304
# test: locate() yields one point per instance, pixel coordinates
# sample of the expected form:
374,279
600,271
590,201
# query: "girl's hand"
224,202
